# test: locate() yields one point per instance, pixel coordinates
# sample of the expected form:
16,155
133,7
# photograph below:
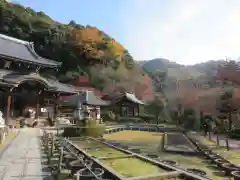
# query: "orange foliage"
87,35
90,36
117,48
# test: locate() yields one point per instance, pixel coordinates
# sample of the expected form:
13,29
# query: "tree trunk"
218,144
227,144
163,142
229,121
209,135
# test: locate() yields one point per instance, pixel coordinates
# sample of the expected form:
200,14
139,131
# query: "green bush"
147,117
234,134
94,129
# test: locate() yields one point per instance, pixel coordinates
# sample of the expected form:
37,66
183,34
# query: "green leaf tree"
155,108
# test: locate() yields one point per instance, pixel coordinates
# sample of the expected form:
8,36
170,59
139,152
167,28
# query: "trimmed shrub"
71,132
94,129
147,118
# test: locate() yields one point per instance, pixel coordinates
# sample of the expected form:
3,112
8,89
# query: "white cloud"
186,31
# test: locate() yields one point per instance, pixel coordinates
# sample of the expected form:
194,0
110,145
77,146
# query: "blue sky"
185,31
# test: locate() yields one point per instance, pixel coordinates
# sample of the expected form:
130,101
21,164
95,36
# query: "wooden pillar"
55,108
37,104
8,114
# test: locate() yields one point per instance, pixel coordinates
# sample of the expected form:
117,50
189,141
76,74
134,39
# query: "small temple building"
85,101
21,84
124,104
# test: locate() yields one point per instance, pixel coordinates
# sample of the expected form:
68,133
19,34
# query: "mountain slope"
83,50
174,70
179,71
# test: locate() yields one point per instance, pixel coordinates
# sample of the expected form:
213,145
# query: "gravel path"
22,159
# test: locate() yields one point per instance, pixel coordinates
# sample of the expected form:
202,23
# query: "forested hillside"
83,50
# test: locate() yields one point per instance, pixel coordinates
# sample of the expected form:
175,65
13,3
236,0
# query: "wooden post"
48,151
37,108
163,142
138,110
60,160
52,146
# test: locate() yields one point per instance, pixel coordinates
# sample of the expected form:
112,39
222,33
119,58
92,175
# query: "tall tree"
226,108
155,107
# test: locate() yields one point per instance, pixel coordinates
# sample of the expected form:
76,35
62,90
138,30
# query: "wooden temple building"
124,104
21,83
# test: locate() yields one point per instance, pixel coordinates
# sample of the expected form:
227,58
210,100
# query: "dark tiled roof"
15,78
16,49
62,88
84,98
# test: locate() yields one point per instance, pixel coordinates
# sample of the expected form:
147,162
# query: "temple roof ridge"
22,50
15,39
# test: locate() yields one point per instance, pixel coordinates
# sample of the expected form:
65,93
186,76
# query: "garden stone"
219,162
170,162
153,156
135,150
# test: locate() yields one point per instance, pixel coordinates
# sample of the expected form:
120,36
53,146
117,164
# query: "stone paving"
22,159
177,142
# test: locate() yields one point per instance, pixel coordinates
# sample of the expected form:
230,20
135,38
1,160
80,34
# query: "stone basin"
228,168
87,175
170,162
197,171
236,175
77,165
69,158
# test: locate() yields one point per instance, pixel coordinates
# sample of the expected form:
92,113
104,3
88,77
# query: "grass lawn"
88,143
105,152
132,167
134,136
195,162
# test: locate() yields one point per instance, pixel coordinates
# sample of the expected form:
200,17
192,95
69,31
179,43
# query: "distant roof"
84,98
120,96
116,97
19,50
133,98
14,79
